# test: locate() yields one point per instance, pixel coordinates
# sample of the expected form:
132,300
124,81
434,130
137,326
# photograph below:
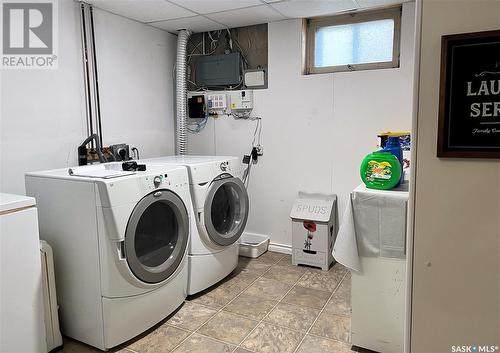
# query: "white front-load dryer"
220,213
120,241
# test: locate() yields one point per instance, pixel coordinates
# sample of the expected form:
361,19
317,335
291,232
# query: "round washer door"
226,210
157,236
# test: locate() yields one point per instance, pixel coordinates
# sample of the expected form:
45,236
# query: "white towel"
345,250
373,225
380,224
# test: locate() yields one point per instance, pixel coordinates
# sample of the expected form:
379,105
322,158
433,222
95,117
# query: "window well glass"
354,43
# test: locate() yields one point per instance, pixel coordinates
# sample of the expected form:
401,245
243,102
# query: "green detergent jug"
381,170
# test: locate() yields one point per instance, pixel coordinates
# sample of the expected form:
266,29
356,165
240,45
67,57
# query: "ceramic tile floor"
266,305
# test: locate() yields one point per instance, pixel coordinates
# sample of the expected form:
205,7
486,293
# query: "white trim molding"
281,248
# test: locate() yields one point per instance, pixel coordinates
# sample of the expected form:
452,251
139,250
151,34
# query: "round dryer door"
226,210
157,236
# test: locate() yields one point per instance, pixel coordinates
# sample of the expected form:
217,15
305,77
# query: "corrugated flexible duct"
181,92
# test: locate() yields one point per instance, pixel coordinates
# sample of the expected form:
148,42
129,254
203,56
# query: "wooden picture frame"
469,97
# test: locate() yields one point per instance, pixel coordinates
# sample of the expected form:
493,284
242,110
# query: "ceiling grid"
209,15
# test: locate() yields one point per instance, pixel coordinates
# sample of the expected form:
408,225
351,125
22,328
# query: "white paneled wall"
135,65
316,128
42,112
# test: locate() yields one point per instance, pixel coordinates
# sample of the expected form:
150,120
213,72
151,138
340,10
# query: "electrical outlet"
120,152
260,150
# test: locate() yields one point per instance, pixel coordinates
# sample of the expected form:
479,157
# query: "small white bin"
314,227
253,245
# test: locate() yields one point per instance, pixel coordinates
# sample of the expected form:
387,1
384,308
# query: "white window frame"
312,25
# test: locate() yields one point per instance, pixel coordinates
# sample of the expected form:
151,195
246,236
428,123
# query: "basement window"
351,42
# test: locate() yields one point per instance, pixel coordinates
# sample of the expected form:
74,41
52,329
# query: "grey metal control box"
218,70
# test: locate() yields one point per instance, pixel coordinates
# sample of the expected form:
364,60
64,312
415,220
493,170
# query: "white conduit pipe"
181,92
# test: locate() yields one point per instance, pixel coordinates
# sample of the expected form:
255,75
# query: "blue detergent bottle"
393,146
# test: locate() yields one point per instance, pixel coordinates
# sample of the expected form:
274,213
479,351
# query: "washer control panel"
153,182
224,166
157,181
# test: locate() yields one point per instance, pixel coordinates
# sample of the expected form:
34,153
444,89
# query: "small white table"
22,327
371,242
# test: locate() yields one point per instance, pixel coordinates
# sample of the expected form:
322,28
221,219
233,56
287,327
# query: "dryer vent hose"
181,92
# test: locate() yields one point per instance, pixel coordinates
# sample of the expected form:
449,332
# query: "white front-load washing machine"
220,213
119,241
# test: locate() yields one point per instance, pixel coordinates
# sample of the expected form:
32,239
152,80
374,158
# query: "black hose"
95,137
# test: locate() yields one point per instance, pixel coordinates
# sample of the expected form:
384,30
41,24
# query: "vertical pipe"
181,92
85,60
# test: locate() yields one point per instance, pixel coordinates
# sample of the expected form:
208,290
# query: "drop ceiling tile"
195,24
209,6
311,8
143,10
377,3
246,17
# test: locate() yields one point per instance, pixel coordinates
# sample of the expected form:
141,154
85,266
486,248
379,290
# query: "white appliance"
378,300
220,213
119,241
21,309
372,243
53,336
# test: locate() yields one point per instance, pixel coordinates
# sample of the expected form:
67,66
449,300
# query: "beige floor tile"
312,298
228,327
286,261
202,344
267,338
270,257
268,289
161,340
250,265
242,350
285,274
191,316
244,276
333,326
313,344
322,280
218,296
240,281
295,317
207,300
340,303
251,306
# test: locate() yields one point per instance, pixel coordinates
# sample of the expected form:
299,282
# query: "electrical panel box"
241,100
218,70
217,103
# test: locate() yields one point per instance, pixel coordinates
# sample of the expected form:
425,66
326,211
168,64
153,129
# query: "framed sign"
469,106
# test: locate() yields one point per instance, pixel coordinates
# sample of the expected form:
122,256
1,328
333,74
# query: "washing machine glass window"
157,236
226,210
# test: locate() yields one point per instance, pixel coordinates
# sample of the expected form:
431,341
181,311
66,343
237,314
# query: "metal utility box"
314,227
218,70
